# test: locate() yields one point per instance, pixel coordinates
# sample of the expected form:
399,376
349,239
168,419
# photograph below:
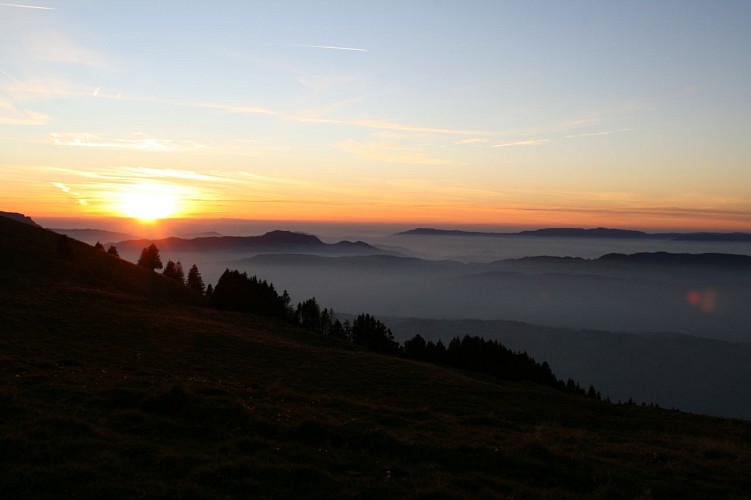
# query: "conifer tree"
309,315
171,271
371,333
195,281
150,258
180,272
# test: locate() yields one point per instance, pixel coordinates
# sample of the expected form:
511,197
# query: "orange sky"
483,113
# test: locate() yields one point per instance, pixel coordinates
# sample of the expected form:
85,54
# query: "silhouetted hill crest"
272,241
714,237
35,256
19,217
429,231
575,232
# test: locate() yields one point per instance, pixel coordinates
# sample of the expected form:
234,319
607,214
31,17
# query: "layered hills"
270,242
118,382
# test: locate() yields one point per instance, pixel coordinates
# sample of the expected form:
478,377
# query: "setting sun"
148,202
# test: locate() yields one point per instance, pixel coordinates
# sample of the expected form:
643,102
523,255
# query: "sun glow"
149,202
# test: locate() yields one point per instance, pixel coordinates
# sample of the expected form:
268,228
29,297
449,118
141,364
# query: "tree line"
151,259
237,291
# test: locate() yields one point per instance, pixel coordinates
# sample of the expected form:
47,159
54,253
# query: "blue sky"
631,114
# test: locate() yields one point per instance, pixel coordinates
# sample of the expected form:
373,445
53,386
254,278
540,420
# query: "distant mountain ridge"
681,259
575,232
647,258
273,241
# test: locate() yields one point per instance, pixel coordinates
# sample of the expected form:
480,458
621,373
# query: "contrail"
19,6
331,47
10,76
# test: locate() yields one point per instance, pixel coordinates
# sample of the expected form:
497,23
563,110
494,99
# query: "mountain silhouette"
575,232
722,260
271,242
19,217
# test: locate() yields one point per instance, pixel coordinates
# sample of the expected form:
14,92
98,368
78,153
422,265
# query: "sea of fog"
600,325
492,248
460,248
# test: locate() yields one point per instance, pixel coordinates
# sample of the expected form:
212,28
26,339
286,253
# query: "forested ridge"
237,291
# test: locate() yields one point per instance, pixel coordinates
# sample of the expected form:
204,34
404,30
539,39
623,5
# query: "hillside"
19,217
114,384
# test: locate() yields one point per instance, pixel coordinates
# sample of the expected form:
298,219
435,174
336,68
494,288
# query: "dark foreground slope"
105,390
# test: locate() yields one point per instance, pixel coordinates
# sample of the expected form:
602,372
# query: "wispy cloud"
439,192
232,108
80,199
60,89
138,144
617,113
659,211
125,173
391,125
363,123
708,200
167,173
530,142
62,187
39,88
52,43
54,46
21,6
11,115
473,140
389,152
329,47
595,134
11,77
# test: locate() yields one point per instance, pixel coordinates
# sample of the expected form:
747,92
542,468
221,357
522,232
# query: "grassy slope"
119,387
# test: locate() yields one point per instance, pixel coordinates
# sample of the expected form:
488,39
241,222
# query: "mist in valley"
444,277
673,333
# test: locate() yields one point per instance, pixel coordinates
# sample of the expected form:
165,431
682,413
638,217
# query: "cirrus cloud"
12,115
139,143
389,152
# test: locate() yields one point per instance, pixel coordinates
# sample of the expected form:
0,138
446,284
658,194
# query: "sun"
149,201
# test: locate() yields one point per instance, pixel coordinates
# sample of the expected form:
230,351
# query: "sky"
633,114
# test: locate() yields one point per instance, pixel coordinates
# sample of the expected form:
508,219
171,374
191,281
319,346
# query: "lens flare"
704,300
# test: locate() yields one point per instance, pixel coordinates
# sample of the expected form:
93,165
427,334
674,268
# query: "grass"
110,390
